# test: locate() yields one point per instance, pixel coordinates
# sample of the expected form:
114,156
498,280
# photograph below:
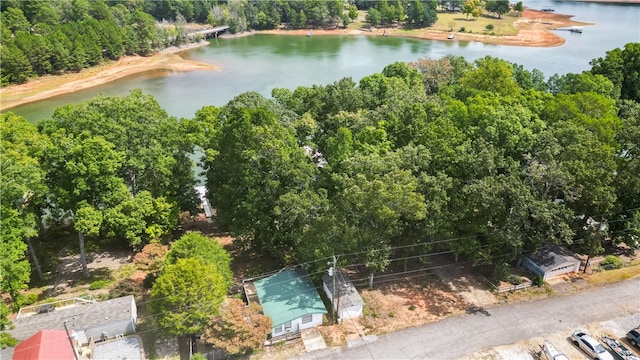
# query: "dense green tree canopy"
195,245
185,295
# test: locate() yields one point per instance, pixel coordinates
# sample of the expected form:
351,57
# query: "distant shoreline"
535,29
49,86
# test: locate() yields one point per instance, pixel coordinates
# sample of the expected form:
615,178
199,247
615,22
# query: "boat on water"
309,33
547,10
619,350
551,352
576,29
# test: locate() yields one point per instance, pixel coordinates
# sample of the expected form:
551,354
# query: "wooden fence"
510,287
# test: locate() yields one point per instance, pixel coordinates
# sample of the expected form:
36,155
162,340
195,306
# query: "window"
307,319
287,326
277,329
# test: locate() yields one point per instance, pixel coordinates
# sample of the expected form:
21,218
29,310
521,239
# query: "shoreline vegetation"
533,28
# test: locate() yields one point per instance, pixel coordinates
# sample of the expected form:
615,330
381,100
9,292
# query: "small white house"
552,261
291,300
347,302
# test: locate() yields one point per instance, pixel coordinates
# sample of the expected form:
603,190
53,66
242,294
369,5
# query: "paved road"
455,337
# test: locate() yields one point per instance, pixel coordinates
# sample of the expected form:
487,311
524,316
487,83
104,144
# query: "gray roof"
78,317
346,293
128,347
548,258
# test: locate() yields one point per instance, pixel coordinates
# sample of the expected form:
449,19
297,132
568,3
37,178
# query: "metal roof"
45,345
288,295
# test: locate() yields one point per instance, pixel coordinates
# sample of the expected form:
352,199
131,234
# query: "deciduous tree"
238,329
185,296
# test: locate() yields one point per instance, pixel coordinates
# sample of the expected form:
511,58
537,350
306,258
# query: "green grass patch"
484,24
99,284
124,271
611,276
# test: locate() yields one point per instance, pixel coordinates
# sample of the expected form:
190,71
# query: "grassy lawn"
448,21
611,276
456,21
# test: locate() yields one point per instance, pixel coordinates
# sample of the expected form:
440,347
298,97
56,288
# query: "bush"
99,284
611,262
463,29
26,300
148,281
126,287
514,279
489,27
538,281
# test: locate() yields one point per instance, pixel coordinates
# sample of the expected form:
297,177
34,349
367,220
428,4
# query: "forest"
53,37
485,160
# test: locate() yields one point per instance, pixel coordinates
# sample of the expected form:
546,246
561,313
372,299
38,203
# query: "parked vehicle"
552,353
634,336
590,346
619,350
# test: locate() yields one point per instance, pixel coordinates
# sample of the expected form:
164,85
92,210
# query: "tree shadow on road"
474,310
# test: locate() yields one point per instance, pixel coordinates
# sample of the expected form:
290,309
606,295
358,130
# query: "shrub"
126,287
26,300
538,280
514,279
151,257
489,27
99,284
463,29
611,262
148,281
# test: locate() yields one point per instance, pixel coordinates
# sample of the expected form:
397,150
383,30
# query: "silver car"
590,346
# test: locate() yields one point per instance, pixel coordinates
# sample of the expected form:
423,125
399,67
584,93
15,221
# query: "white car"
590,346
552,352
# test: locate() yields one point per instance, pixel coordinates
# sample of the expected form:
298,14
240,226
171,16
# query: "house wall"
350,312
297,325
111,329
562,269
531,266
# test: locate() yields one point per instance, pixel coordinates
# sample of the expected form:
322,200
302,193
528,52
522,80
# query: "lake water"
264,62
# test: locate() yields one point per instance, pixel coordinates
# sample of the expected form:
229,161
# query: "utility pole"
75,351
332,273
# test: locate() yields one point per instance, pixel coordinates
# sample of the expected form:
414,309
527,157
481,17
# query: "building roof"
128,347
548,258
346,293
77,317
45,345
288,295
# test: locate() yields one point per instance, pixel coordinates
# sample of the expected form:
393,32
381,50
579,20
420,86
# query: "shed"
552,261
292,302
45,345
348,302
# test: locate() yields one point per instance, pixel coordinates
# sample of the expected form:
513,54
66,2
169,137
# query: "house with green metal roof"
291,300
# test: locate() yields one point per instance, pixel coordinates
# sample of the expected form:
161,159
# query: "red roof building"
45,345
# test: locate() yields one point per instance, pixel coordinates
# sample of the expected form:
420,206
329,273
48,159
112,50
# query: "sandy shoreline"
535,29
53,85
